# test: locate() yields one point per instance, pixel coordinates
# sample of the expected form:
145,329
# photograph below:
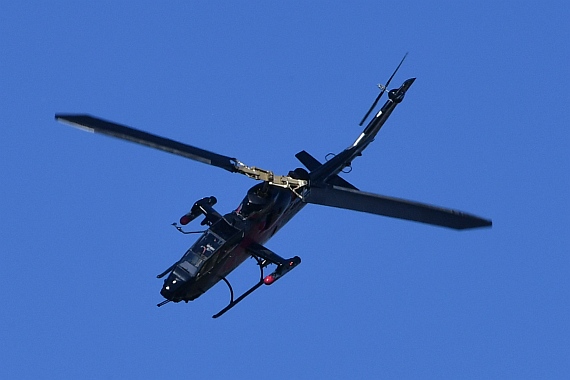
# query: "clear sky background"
85,219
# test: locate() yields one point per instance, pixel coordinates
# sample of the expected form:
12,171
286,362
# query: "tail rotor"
383,89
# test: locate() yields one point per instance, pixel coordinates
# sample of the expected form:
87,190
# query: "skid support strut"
262,264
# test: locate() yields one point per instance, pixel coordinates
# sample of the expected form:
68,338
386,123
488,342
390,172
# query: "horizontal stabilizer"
312,163
309,161
336,196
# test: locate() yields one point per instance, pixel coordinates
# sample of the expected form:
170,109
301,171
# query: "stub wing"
356,200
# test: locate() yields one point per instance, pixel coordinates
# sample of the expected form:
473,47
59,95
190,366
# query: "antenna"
383,88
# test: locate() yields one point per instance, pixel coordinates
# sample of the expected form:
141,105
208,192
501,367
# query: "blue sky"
86,219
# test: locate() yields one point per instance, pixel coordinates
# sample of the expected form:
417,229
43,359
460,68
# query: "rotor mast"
268,176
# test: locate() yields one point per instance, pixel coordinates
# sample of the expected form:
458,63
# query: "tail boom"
344,158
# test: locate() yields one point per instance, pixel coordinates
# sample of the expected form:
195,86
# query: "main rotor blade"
382,92
96,125
336,196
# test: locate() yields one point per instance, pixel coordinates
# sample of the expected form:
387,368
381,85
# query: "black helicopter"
232,238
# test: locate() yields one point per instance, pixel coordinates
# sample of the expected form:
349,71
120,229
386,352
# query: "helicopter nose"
172,287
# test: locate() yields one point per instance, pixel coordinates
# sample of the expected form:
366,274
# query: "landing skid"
283,267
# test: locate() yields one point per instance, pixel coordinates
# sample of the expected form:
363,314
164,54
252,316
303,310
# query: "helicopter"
232,238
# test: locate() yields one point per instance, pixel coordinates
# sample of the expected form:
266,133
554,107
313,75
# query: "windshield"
200,252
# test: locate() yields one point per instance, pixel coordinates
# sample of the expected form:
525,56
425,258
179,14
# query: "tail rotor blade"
372,107
384,87
395,71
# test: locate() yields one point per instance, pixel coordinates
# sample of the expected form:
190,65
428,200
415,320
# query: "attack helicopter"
240,234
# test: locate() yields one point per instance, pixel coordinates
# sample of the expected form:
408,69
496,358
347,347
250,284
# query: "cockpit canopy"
200,252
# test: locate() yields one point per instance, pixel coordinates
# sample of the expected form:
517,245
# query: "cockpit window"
200,252
207,244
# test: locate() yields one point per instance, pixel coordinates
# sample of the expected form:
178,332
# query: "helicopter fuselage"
225,245
265,209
